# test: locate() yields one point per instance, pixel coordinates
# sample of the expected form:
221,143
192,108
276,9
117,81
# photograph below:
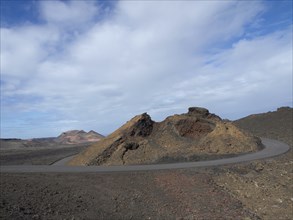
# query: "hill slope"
277,124
185,136
264,186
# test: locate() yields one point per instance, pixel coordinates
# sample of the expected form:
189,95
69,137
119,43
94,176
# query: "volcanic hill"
182,137
78,137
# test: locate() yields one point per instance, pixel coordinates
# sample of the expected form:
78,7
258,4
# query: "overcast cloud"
85,65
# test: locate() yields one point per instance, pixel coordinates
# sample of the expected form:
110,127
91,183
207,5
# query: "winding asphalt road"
272,148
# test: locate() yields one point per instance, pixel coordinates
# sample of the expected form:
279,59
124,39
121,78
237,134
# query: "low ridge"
184,137
274,124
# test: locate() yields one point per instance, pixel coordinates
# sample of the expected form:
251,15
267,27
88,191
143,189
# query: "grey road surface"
272,148
63,161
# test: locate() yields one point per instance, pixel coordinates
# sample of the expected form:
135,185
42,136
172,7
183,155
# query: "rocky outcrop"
143,141
142,127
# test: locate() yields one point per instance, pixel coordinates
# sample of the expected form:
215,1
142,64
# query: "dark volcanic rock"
143,127
202,113
198,111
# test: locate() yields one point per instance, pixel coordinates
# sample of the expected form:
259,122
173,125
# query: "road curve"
272,148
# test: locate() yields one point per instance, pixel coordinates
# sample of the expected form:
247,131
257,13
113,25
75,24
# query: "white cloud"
160,57
252,75
23,48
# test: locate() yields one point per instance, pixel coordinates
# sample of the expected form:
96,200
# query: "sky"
93,65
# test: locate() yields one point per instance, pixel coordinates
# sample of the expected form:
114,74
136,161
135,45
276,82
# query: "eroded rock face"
143,141
143,127
202,113
193,128
197,111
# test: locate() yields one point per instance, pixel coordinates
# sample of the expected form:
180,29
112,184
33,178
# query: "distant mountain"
277,124
65,139
179,137
78,137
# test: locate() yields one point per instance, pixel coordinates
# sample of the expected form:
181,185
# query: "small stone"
259,168
36,216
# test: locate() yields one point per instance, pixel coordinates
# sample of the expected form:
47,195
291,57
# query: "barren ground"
144,195
37,156
254,190
258,190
